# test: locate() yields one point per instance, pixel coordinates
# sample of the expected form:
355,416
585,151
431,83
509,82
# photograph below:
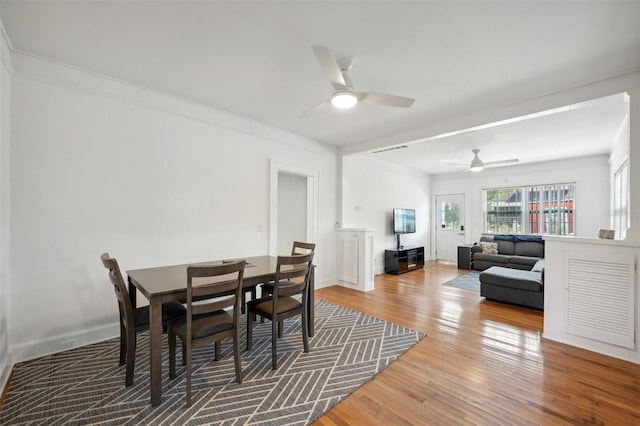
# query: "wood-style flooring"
482,363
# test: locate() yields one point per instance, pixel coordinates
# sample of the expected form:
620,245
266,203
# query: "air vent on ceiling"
390,149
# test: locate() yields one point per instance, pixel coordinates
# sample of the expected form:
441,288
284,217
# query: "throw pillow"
491,248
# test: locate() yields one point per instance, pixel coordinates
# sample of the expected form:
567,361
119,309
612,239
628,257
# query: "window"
544,209
450,214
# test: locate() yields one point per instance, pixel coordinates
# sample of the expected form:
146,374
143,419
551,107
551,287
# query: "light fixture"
476,163
344,99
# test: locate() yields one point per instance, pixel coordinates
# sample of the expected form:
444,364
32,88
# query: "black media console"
403,260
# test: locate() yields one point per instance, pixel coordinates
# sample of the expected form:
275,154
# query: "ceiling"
254,59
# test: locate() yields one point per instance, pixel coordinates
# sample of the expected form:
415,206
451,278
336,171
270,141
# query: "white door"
449,226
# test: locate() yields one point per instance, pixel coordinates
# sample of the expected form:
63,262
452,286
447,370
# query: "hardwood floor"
481,363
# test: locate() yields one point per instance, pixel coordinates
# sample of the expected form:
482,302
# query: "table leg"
133,293
312,292
155,350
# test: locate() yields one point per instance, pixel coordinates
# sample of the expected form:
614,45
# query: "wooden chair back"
125,306
295,270
302,248
227,292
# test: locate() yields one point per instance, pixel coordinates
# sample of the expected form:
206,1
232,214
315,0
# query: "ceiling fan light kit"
344,96
344,99
477,165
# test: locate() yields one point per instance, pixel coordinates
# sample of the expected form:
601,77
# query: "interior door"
449,226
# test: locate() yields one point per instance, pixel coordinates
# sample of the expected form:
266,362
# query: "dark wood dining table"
169,283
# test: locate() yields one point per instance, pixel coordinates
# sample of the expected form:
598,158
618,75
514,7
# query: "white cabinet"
355,258
590,294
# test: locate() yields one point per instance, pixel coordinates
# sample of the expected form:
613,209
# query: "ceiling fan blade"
497,163
387,100
311,110
458,164
329,67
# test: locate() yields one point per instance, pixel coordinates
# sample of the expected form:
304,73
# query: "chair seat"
204,325
170,311
268,287
173,310
264,305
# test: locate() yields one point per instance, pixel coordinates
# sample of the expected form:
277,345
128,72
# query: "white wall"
371,189
98,165
591,175
5,191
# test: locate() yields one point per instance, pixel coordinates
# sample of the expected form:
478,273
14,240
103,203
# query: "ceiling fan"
478,165
344,96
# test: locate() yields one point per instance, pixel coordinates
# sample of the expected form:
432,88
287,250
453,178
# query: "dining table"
169,283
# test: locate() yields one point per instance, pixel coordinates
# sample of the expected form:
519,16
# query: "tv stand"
403,260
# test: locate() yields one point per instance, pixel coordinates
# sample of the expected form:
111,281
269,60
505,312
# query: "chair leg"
274,340
249,330
243,304
188,373
184,353
131,357
171,337
236,355
305,332
123,343
280,327
217,351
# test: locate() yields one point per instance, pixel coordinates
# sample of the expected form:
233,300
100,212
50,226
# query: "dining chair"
298,247
133,319
292,278
207,321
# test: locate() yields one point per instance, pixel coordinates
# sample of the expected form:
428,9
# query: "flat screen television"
404,221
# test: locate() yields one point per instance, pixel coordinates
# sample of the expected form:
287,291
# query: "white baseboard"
326,283
51,345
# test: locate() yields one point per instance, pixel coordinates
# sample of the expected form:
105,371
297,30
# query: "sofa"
515,286
507,251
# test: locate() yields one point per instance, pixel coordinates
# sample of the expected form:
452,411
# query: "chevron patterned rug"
86,385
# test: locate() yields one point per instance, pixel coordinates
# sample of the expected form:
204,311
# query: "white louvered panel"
600,299
348,258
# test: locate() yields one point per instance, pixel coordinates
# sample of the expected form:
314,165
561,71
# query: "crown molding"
38,68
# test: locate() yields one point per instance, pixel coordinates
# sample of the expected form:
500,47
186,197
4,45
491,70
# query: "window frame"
557,220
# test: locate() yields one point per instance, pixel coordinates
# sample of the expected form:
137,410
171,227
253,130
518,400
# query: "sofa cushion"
504,237
488,247
512,278
536,238
506,247
496,258
539,266
529,248
524,260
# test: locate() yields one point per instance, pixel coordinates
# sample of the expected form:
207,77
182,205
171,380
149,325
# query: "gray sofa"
514,251
524,288
515,274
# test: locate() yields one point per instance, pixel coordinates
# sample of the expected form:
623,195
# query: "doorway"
449,226
292,211
293,194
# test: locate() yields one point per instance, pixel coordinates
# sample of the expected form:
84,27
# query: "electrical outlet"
68,344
